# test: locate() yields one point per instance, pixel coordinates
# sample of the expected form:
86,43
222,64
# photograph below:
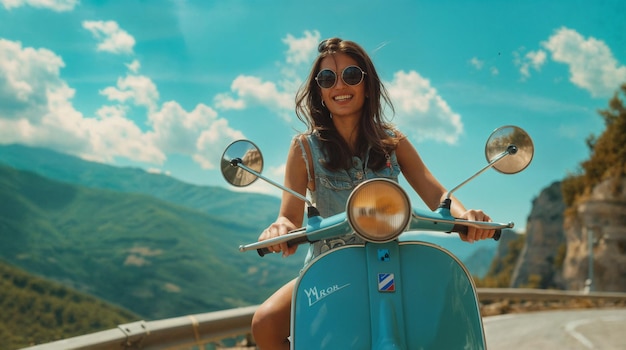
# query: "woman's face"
342,100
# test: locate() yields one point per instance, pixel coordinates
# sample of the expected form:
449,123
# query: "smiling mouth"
342,98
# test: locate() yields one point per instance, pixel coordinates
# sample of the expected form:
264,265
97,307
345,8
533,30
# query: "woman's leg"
270,324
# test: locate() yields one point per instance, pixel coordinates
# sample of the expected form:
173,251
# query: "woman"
348,141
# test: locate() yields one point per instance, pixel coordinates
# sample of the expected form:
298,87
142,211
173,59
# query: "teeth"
342,97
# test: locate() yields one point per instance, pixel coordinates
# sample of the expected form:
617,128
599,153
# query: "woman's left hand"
473,233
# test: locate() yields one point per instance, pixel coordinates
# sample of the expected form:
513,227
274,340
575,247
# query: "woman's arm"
432,192
291,211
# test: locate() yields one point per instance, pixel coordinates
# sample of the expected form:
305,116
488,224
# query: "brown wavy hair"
373,130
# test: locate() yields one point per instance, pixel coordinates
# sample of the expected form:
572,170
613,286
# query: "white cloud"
176,130
536,58
112,135
532,59
136,88
112,38
134,66
225,101
212,141
300,50
591,63
36,109
55,5
277,96
198,133
252,90
27,77
478,64
420,111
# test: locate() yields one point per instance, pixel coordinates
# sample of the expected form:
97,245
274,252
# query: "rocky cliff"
556,251
539,264
598,222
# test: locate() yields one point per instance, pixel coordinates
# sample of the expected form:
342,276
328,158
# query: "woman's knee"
262,317
271,318
269,329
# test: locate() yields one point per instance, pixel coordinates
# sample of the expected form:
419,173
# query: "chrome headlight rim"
400,220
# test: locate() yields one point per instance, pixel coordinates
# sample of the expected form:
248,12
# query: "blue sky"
166,85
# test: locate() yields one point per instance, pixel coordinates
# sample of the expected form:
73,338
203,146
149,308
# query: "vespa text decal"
386,282
316,295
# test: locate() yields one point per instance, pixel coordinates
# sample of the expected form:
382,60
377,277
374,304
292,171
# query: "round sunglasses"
351,75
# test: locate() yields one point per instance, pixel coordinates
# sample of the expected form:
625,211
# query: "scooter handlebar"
460,229
338,225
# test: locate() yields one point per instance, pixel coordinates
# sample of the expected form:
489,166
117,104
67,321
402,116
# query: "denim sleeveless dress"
332,188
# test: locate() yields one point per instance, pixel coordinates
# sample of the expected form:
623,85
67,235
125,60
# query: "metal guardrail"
198,330
171,333
491,294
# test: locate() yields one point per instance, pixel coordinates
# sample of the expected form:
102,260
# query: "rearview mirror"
514,140
246,153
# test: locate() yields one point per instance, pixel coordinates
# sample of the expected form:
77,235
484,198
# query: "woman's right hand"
280,227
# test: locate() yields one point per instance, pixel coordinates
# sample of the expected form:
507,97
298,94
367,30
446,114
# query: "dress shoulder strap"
304,155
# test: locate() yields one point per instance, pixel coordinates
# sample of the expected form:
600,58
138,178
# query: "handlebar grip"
263,251
462,229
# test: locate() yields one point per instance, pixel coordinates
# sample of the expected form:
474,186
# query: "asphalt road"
563,329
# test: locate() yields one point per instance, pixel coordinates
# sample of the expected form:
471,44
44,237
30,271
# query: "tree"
608,155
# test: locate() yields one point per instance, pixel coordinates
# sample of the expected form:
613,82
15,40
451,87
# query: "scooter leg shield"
409,295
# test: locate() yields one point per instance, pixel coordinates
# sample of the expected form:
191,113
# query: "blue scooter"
390,292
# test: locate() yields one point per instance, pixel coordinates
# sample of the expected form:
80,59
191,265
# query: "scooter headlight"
378,210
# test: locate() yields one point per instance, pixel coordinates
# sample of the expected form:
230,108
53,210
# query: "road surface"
562,329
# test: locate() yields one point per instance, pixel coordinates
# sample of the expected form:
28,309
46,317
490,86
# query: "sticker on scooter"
315,295
383,255
386,282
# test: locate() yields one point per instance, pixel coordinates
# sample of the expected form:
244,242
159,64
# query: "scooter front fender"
408,295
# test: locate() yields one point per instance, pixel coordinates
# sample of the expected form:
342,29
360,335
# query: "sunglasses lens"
326,78
352,75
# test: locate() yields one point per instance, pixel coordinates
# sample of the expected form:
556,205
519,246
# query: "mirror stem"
512,149
312,211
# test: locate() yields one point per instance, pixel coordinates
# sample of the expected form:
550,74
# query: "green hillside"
36,311
155,258
216,201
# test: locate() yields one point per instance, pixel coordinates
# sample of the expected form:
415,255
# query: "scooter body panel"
408,295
